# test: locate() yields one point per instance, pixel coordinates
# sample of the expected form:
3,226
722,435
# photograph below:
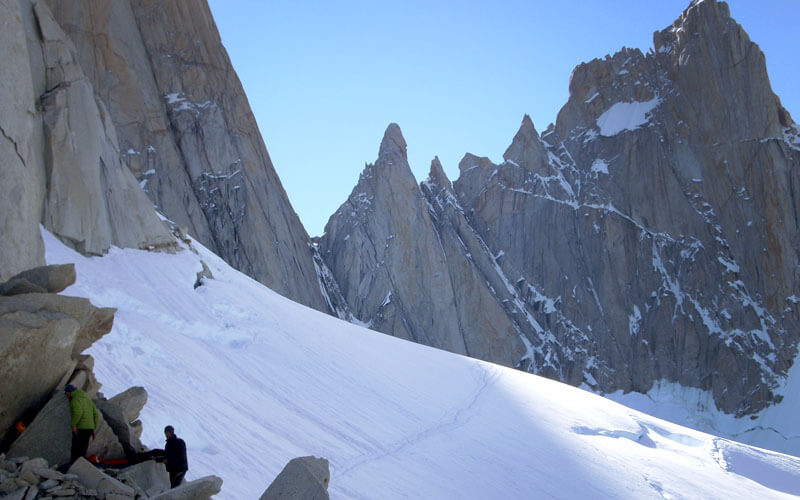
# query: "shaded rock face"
185,129
650,234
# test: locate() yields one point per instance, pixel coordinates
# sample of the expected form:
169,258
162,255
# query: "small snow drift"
773,470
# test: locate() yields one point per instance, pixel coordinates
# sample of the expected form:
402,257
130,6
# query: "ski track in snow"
455,418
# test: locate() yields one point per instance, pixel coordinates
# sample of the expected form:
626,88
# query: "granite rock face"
110,108
650,234
186,131
40,334
21,149
61,163
384,251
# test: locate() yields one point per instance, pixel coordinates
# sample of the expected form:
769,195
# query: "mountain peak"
438,176
526,149
393,142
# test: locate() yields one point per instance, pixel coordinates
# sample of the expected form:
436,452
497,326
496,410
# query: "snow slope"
250,380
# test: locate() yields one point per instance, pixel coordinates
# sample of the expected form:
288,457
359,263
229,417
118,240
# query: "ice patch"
599,166
730,266
634,321
626,116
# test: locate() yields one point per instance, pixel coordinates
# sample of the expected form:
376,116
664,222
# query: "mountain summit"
650,235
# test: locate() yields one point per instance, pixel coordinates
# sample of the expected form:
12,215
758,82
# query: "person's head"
69,389
169,431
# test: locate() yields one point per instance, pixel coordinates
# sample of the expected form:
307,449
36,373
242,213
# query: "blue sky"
325,78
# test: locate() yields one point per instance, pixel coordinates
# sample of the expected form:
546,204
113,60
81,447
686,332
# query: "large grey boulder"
35,353
44,279
131,401
150,476
121,418
49,435
93,322
303,478
94,479
199,489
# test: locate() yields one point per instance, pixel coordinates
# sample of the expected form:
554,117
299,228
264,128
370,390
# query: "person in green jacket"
83,420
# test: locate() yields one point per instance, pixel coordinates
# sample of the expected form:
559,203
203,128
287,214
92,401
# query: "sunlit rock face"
186,131
650,234
59,153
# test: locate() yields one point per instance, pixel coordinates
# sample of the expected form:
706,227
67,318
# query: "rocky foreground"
42,335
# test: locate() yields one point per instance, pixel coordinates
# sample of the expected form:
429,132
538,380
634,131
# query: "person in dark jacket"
83,420
175,452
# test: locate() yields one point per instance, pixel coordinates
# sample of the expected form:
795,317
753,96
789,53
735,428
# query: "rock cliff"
186,131
109,103
650,234
60,155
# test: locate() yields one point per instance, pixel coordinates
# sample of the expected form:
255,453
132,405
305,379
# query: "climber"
83,420
175,451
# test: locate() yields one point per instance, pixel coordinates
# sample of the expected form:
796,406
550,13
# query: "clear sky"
324,78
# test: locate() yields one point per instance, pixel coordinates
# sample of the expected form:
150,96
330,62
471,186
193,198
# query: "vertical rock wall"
187,132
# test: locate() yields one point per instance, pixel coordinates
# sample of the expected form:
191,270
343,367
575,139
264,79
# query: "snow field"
250,380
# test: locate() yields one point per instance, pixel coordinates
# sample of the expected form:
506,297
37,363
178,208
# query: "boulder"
33,465
44,279
39,335
94,479
152,477
203,274
131,402
199,489
303,478
35,353
114,415
18,494
93,322
86,381
48,436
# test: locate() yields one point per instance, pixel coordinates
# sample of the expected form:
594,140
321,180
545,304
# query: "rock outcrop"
29,478
200,489
303,478
41,336
650,234
186,131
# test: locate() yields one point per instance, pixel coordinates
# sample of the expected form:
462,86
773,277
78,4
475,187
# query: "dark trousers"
176,477
80,443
